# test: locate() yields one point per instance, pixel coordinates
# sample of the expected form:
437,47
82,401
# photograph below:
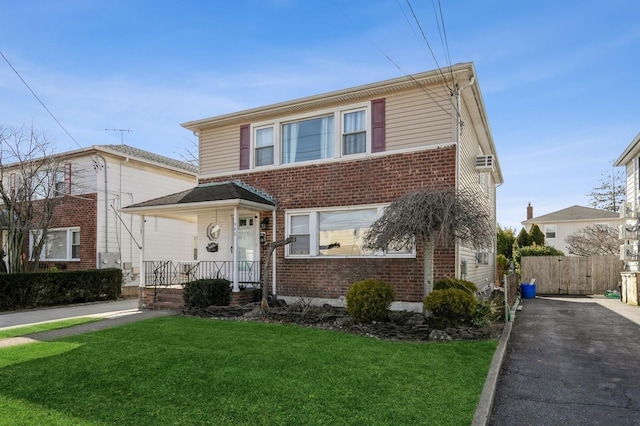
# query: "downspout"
458,142
106,207
273,259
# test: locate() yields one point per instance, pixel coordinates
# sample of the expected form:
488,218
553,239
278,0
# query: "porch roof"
186,204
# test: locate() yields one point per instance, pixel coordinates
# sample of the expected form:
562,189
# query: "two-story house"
87,231
322,169
559,225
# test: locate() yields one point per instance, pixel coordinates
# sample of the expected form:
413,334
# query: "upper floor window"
550,231
324,135
264,146
307,140
354,132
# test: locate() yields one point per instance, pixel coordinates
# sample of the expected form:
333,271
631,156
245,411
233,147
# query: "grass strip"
46,326
179,370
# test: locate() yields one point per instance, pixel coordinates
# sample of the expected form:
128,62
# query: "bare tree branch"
594,240
444,215
433,215
29,176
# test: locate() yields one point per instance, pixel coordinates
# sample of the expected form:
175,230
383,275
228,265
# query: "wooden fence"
572,275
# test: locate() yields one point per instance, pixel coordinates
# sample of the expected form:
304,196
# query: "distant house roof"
184,203
150,156
574,213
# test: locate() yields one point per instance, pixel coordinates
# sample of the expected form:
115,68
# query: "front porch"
168,273
164,281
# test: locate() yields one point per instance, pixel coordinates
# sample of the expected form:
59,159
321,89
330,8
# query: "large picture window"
60,244
335,232
307,140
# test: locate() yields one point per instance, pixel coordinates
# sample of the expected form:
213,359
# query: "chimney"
529,211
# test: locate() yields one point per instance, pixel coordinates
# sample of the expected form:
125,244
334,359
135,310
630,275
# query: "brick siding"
78,212
378,179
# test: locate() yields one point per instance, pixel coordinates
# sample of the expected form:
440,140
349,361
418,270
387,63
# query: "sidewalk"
571,360
113,313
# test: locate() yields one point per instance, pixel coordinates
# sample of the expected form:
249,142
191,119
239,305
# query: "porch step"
166,301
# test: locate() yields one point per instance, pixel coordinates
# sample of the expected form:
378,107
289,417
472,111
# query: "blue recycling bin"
528,291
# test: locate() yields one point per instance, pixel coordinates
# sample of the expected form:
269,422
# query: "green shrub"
455,283
207,292
451,303
369,300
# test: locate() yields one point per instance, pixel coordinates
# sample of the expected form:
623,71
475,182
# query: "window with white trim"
327,134
335,232
60,244
264,146
550,231
307,140
354,132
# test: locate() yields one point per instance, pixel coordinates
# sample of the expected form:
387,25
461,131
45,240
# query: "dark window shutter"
244,147
377,125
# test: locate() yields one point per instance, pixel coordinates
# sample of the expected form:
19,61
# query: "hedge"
35,289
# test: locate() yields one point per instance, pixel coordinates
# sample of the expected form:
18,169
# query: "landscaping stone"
401,325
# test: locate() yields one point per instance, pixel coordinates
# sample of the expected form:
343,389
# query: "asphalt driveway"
571,361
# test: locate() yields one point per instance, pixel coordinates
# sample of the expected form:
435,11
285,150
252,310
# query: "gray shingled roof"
208,192
575,213
150,156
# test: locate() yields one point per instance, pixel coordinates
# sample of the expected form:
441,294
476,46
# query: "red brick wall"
82,212
345,183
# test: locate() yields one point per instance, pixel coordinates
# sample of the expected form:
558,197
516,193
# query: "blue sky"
560,79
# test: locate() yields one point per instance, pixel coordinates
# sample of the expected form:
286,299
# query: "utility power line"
39,100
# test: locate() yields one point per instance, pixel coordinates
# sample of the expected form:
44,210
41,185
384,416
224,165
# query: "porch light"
264,224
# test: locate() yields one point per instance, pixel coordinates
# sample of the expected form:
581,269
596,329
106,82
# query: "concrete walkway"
571,361
113,313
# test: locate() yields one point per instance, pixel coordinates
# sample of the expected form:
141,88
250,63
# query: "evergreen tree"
610,193
505,239
536,236
524,239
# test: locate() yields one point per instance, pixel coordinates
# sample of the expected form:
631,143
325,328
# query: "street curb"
483,410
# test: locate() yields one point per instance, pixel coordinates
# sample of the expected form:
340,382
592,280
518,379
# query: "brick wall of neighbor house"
82,212
377,179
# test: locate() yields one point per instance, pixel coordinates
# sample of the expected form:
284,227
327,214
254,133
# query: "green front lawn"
191,371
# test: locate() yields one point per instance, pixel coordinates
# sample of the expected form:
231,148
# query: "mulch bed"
400,325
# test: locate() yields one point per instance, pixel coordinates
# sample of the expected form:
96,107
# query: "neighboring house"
87,231
557,226
322,169
630,212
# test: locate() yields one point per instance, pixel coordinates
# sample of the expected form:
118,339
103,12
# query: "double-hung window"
550,231
336,232
299,228
354,132
264,146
